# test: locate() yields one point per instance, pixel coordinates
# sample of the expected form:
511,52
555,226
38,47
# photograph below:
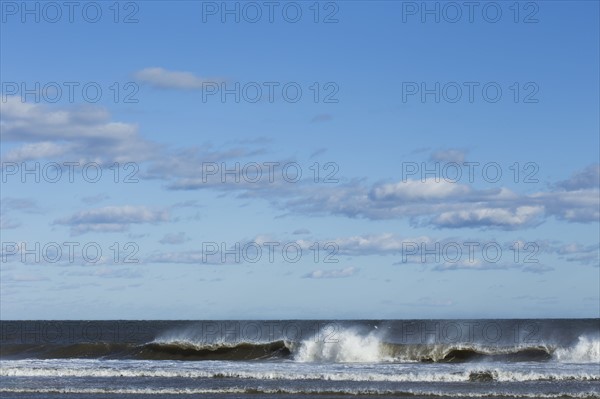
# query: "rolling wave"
348,347
185,350
155,350
353,347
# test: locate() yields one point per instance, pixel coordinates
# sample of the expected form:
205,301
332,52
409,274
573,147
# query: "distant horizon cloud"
337,273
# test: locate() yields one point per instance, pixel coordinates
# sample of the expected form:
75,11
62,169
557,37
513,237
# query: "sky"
299,160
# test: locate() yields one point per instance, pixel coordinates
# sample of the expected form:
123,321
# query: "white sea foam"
587,350
295,371
235,390
347,346
350,346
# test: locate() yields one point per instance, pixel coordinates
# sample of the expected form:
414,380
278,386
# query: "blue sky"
405,102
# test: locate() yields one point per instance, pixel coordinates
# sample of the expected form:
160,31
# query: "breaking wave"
587,350
371,348
348,346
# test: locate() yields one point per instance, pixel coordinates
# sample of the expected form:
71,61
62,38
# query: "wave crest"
351,346
348,347
587,350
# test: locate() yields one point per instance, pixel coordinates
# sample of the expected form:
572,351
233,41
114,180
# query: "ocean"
538,358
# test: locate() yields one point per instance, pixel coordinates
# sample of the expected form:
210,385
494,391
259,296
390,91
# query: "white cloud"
587,178
83,134
450,155
581,205
32,151
87,134
165,79
28,122
172,238
7,223
337,273
195,257
378,244
112,218
12,205
574,252
491,217
412,190
443,204
24,278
